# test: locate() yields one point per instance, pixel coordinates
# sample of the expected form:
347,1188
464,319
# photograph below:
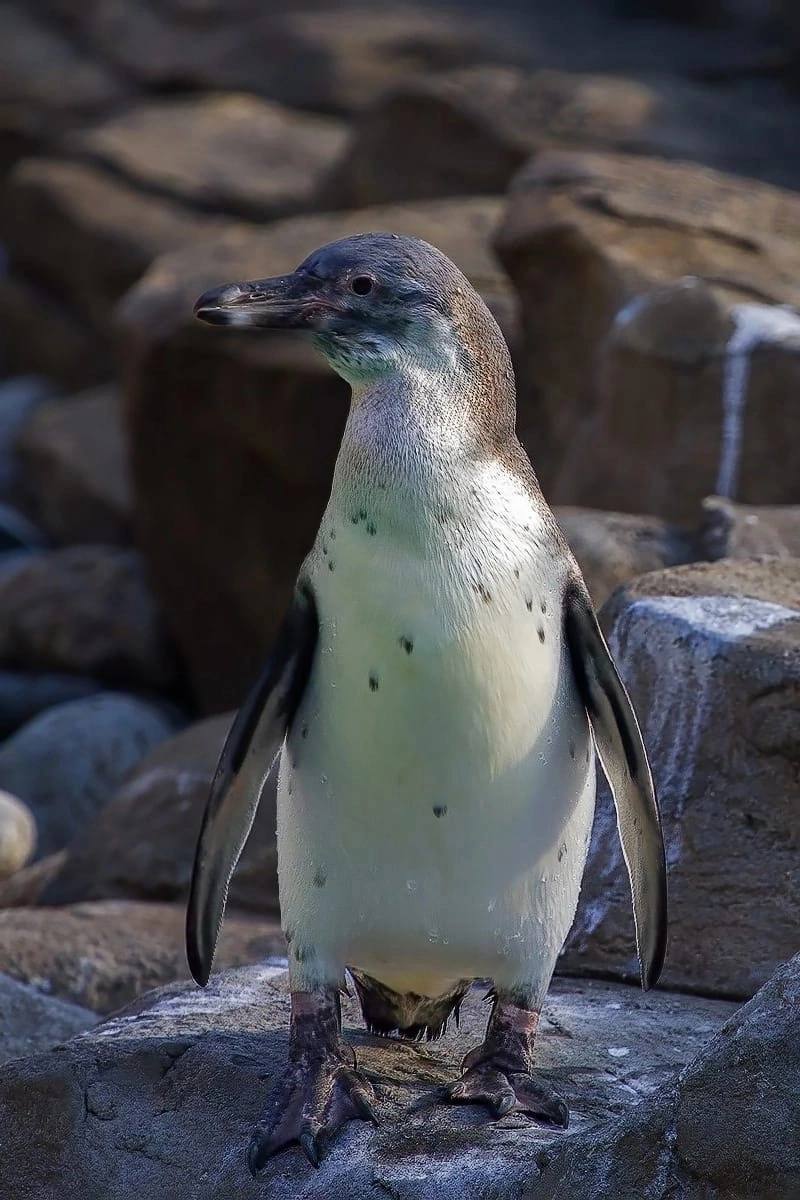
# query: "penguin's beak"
285,302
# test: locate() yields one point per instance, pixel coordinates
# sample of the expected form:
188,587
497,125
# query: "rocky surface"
31,1022
66,762
20,396
25,694
75,460
70,353
17,835
142,842
160,1100
254,399
25,886
105,954
86,610
612,548
743,531
725,1127
711,656
630,399
465,132
230,153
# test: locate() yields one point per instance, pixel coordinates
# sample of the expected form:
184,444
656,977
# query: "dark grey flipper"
250,750
622,753
407,1014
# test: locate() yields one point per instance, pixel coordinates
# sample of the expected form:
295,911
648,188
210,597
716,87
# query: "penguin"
435,696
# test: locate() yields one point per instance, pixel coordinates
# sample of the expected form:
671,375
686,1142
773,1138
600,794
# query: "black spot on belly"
302,953
374,682
333,535
407,644
331,565
484,593
371,530
562,850
304,732
544,606
572,749
354,518
440,810
529,605
516,572
540,632
325,548
587,754
362,514
320,878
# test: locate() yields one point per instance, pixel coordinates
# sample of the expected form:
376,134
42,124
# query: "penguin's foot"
499,1073
320,1090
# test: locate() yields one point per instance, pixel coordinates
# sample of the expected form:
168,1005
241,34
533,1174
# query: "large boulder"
25,694
465,132
105,954
711,656
141,843
612,548
229,153
725,1127
76,468
41,332
86,610
67,762
250,424
652,377
31,1022
165,1094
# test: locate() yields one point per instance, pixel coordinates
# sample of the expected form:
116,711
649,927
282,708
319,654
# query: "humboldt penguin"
435,695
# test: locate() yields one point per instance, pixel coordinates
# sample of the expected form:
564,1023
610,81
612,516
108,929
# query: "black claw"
257,1153
504,1105
561,1116
310,1147
364,1108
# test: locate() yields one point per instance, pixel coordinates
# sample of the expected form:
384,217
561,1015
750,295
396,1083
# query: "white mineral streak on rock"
684,634
754,325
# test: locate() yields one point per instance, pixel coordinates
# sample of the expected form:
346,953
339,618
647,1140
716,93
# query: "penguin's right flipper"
250,750
622,753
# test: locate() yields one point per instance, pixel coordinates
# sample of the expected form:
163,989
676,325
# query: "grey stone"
25,694
711,656
67,762
730,530
31,1022
17,532
17,835
142,842
86,610
725,1128
19,397
159,1101
74,452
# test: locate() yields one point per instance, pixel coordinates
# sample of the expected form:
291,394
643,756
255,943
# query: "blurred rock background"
620,179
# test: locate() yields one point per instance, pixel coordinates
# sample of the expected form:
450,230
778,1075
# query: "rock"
267,479
104,955
612,548
322,57
466,132
228,153
19,398
67,762
26,886
635,277
142,843
17,835
737,531
166,1093
711,656
31,1023
76,468
24,695
725,1127
39,332
17,532
47,82
87,610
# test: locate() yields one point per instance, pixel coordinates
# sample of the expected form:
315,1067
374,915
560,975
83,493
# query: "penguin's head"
372,302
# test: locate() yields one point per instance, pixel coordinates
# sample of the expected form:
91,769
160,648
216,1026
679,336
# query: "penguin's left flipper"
250,750
622,754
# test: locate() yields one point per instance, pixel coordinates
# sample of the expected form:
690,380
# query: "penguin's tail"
405,1013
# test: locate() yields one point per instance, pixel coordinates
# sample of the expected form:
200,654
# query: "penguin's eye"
362,285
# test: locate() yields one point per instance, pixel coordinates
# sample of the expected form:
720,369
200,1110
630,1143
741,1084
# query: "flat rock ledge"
158,1102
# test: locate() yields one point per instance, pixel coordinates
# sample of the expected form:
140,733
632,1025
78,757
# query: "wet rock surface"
711,656
202,1061
141,843
66,762
104,954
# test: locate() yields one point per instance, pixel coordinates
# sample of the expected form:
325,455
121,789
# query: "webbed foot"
499,1073
320,1090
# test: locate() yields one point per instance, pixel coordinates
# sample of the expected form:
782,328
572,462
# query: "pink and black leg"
500,1074
320,1089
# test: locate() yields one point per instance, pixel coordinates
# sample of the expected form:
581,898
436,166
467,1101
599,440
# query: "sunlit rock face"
711,656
